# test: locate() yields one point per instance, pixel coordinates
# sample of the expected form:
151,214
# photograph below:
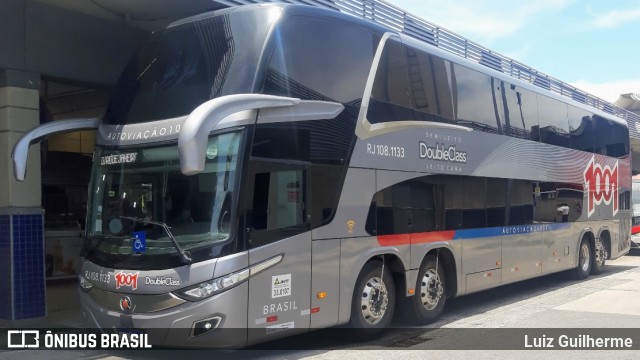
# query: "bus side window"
554,122
611,139
404,208
520,112
410,85
476,97
279,206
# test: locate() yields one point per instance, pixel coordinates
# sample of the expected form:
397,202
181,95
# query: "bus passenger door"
278,223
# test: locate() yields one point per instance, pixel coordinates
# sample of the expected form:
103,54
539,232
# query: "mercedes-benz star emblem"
126,305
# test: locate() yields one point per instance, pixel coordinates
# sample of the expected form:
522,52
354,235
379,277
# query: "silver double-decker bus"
274,169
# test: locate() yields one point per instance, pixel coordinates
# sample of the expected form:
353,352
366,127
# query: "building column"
22,272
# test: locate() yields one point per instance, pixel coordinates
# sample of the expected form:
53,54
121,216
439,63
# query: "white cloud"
481,20
609,91
616,17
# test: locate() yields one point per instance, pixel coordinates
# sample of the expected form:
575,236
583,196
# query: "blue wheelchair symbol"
139,243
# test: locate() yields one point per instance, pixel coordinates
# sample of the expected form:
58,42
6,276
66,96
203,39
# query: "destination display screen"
115,159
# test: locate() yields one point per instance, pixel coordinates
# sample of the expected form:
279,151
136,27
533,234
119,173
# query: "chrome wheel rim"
584,257
374,300
601,254
431,289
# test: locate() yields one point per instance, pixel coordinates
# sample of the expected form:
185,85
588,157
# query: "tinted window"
443,202
554,126
410,85
430,89
325,144
317,59
187,64
619,143
278,206
320,59
520,112
558,202
390,96
475,99
171,81
581,129
625,200
474,212
612,139
404,208
496,202
520,206
279,199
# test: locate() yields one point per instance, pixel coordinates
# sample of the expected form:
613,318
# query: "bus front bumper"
217,322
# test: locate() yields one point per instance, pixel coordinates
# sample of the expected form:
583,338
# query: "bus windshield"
134,193
190,62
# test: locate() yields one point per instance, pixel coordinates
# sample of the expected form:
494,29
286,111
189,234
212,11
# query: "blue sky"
592,44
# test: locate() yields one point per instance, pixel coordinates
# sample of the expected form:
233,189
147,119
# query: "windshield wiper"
184,255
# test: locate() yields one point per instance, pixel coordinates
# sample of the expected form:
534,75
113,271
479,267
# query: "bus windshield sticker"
139,242
280,285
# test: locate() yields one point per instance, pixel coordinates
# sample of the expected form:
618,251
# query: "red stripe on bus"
635,230
416,238
394,240
432,236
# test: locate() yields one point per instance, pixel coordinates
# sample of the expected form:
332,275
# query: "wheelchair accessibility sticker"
139,241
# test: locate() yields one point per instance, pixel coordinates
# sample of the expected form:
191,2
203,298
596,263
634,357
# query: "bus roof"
391,18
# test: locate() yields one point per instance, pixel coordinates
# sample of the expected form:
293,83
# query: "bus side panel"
325,278
354,253
480,253
620,236
558,247
521,256
483,280
279,296
351,213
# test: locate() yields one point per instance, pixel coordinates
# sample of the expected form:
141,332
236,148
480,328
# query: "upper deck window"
411,85
476,97
317,58
187,64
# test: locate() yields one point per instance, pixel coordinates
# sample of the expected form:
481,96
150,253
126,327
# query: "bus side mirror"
21,149
194,134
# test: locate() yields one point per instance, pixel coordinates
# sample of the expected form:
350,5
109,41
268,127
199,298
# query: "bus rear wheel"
428,302
585,260
600,257
373,300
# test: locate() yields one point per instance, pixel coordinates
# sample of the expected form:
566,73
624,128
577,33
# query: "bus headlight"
212,287
209,288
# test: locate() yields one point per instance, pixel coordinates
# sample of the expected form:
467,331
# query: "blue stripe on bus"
509,230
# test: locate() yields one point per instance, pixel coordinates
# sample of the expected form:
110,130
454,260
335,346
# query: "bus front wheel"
428,302
373,299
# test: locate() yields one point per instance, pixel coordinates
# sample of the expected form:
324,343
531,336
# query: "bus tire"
585,260
599,258
426,305
373,300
